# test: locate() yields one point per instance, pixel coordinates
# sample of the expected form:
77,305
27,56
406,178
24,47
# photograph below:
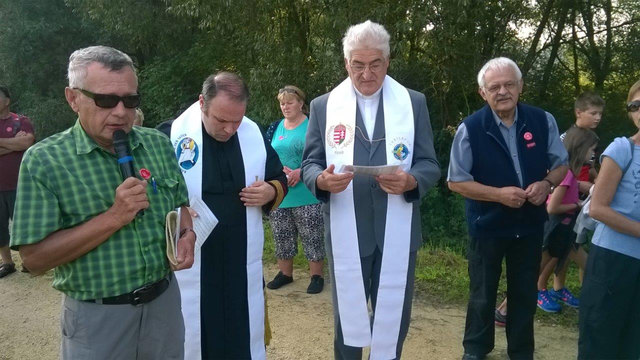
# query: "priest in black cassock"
228,164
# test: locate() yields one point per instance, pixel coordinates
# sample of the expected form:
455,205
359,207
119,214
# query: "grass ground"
441,277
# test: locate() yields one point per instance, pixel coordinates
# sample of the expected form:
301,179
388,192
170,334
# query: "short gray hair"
498,63
366,35
226,82
112,59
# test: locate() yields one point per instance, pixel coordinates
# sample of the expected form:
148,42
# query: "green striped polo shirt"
67,179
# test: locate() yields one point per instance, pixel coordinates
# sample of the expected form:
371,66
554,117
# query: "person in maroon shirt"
16,135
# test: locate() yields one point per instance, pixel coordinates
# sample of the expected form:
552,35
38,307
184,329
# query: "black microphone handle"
126,168
125,160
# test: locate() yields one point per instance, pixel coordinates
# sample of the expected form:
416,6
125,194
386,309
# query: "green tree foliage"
563,46
35,42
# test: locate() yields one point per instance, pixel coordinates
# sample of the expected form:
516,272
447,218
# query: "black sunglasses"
108,101
633,106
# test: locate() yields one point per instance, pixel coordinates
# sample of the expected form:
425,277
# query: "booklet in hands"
172,234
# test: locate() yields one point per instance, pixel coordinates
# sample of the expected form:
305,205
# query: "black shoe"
279,281
6,269
316,285
468,356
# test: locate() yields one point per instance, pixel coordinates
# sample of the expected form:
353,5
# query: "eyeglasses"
374,67
496,87
109,101
633,106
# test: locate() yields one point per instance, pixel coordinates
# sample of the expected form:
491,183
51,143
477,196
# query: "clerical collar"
373,96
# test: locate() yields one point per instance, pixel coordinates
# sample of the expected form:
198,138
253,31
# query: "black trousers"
610,306
485,266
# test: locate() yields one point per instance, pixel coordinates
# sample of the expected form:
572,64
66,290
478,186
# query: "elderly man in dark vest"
505,159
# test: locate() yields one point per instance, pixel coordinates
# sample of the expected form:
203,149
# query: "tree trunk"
562,17
531,54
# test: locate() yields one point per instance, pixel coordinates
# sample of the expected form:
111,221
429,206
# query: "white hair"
366,35
498,63
79,60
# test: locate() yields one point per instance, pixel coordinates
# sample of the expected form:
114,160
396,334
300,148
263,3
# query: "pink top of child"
571,196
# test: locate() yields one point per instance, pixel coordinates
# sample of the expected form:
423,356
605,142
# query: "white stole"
186,137
339,150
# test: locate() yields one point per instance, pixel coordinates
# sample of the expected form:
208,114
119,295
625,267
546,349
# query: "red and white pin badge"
528,136
145,174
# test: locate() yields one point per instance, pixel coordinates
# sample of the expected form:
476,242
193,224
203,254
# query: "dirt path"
302,325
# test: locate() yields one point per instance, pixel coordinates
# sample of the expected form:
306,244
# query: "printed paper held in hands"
204,223
370,170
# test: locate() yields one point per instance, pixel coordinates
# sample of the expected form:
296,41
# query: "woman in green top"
299,212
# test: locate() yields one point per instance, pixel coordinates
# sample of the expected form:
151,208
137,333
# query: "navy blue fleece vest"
493,166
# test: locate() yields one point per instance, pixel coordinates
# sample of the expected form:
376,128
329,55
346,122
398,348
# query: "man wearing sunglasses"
76,215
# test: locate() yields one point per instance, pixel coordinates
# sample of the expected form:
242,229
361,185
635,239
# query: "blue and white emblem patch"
187,153
400,151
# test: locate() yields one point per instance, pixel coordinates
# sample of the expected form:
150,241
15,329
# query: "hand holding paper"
329,181
397,183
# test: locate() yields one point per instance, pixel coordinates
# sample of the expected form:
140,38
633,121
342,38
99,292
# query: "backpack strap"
632,148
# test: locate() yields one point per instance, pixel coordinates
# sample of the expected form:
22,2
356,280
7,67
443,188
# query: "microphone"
121,147
125,160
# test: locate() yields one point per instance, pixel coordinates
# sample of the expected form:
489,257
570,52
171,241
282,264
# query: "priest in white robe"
239,176
372,223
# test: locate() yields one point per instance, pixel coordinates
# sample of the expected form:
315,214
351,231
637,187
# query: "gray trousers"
154,330
371,276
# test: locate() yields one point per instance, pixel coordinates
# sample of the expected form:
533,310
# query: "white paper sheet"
370,170
204,223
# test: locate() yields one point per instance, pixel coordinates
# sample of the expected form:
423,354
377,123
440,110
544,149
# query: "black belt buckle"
141,294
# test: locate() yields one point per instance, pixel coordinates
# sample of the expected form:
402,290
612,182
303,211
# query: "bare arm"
511,196
584,186
557,175
600,208
20,142
66,245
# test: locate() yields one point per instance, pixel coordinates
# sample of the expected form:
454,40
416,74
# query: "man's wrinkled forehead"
501,72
